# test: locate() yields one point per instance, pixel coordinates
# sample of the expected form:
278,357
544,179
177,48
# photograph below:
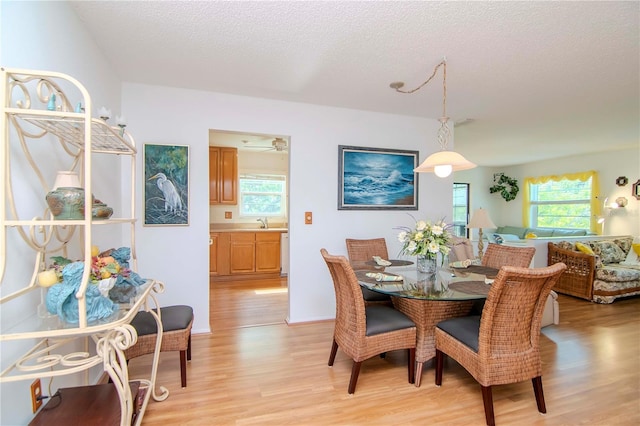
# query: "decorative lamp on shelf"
66,199
480,219
443,162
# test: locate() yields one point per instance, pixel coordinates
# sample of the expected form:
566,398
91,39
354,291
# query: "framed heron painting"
166,185
377,179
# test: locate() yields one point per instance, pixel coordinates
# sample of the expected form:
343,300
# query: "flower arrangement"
425,239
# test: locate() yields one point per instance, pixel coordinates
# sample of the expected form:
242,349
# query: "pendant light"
443,162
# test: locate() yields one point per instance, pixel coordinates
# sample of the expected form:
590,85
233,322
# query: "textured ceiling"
538,79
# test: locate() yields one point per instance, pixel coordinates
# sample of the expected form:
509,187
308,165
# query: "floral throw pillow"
608,251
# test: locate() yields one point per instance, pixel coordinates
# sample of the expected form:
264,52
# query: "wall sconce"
620,202
441,163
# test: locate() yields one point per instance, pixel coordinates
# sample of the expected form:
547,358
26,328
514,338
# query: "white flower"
421,225
433,247
411,246
402,236
437,230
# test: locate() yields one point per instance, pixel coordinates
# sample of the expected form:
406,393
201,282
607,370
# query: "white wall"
179,255
609,165
48,36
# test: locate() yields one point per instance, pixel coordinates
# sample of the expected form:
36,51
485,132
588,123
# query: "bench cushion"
173,318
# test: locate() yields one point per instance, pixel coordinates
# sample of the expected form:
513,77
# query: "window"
460,209
262,195
567,201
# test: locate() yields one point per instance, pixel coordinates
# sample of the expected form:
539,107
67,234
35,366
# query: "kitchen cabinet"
268,252
219,253
35,109
244,254
223,175
242,258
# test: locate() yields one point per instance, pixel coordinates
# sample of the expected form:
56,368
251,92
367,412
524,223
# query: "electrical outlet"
36,393
308,218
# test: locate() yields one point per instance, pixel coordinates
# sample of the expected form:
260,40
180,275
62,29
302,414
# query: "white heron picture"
166,184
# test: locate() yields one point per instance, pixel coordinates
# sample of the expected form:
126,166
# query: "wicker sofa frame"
582,279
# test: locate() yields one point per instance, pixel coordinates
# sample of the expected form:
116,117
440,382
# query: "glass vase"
426,265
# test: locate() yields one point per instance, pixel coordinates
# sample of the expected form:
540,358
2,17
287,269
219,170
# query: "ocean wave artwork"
378,179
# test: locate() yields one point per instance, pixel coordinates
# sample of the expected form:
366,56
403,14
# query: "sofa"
597,270
509,233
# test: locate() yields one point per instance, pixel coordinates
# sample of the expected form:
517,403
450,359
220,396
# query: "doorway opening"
250,298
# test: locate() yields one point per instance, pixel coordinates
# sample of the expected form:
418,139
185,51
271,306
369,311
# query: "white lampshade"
481,219
441,159
67,179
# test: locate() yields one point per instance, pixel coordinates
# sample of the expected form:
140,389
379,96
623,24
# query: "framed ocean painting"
377,179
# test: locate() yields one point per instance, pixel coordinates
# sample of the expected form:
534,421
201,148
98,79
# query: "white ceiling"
539,79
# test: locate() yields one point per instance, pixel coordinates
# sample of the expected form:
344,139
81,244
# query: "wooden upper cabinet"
223,175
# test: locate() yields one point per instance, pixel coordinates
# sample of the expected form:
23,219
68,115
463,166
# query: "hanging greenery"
507,187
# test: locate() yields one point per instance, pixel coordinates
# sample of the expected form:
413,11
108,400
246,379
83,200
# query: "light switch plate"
227,215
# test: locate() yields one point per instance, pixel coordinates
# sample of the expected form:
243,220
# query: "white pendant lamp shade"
442,163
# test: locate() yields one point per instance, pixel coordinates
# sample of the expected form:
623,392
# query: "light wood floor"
277,374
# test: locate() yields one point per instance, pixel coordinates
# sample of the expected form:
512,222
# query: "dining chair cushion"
372,296
383,319
465,329
173,318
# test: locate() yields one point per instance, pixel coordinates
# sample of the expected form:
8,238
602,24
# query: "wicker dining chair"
176,335
498,255
362,251
363,332
502,346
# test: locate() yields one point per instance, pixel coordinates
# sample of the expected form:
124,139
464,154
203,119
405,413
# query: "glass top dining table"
446,285
427,299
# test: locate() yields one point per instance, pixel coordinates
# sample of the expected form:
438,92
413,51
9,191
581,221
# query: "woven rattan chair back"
350,314
363,250
509,333
351,333
510,323
498,255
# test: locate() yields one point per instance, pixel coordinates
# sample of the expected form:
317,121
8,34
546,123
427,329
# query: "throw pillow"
530,235
633,258
608,251
583,248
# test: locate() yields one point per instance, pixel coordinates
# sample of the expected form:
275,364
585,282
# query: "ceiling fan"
278,144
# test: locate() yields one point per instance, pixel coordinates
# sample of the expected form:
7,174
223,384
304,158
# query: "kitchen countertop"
216,228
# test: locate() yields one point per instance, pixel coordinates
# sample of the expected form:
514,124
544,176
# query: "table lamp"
480,219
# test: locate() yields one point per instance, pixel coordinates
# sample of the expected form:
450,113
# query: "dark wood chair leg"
439,366
355,371
487,398
189,348
411,364
183,368
334,350
537,389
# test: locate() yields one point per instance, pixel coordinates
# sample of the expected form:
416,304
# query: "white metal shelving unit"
29,116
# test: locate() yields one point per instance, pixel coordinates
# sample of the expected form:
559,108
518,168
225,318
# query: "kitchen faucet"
264,224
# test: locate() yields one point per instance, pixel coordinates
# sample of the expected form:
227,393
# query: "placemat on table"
394,262
477,269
